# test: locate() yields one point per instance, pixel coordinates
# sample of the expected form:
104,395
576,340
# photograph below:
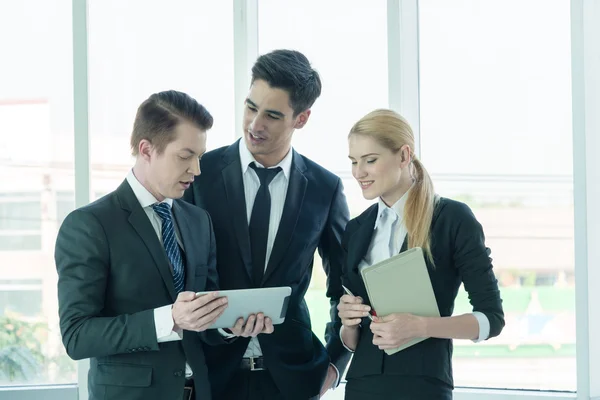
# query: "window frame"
48,392
585,70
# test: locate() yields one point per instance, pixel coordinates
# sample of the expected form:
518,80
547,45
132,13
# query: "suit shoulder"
361,218
210,164
354,224
102,207
215,154
319,172
212,159
453,212
94,215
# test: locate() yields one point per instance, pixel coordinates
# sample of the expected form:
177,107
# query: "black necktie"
259,221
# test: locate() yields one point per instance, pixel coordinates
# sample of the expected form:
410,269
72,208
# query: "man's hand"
197,313
254,325
330,379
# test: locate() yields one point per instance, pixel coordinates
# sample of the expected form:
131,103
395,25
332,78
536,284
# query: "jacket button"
178,373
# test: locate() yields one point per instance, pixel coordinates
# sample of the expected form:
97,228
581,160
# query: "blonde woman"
409,214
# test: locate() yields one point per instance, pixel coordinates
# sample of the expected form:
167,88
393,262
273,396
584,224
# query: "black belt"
188,390
253,364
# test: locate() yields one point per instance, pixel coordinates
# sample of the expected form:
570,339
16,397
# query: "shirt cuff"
484,326
163,323
338,377
225,334
344,344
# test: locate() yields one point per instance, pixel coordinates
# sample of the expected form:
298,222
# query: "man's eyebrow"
274,112
189,150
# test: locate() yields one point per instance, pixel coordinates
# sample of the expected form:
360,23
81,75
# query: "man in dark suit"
272,208
129,265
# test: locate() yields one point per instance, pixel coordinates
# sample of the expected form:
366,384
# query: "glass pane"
36,163
346,42
138,48
496,134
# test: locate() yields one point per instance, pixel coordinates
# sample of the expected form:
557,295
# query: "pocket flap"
132,375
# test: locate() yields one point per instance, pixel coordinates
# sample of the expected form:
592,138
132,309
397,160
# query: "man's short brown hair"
158,116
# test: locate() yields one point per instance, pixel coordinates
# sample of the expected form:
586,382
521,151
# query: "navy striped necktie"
170,244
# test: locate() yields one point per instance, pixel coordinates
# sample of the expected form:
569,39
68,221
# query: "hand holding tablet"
197,313
259,309
253,326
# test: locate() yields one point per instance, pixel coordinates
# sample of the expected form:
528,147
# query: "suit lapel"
236,203
404,244
141,224
291,211
185,231
357,249
360,241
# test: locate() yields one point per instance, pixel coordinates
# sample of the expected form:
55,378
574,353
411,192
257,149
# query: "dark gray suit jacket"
315,214
113,272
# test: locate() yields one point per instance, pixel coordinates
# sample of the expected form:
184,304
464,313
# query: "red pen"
371,314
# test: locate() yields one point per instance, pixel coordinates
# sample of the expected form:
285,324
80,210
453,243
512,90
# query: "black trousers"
253,385
397,387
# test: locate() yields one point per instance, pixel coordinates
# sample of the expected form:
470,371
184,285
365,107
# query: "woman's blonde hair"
392,131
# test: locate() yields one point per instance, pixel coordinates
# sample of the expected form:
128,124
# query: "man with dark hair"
130,263
272,209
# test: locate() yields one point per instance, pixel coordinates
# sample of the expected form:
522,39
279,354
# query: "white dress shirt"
163,318
388,237
278,190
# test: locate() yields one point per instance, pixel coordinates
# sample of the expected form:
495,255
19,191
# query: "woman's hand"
394,330
351,310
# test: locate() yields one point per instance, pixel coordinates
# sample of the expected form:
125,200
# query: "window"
36,163
138,48
65,202
354,77
20,223
22,297
496,133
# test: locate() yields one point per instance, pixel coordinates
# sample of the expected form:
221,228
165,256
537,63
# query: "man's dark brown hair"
158,116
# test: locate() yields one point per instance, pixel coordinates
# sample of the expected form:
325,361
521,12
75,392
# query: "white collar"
145,198
246,158
397,208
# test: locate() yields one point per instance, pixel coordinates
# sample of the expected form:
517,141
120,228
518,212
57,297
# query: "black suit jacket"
315,215
112,273
460,255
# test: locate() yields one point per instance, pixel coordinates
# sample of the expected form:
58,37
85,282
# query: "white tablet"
271,301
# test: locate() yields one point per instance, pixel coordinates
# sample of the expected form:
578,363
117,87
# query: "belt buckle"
188,391
253,365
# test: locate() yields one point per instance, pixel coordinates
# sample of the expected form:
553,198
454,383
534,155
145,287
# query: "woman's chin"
369,195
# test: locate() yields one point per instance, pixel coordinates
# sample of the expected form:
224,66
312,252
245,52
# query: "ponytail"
418,212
